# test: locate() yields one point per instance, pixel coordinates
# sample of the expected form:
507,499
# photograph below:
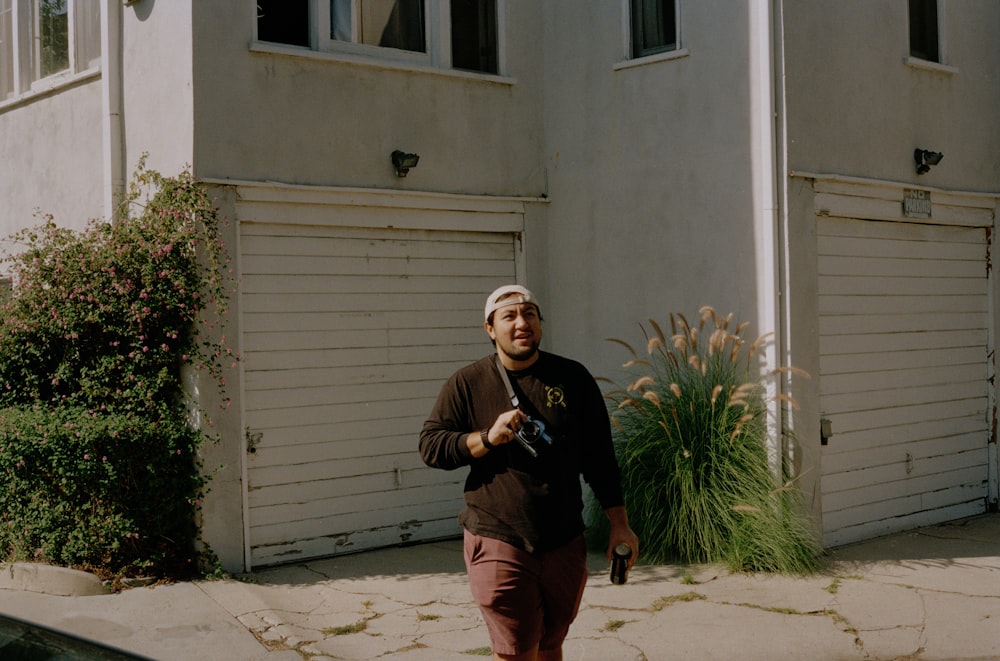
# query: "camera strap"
506,383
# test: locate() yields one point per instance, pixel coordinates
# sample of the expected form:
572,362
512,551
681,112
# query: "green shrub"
99,461
109,491
691,437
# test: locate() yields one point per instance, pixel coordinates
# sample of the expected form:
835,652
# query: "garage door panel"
905,415
277,266
905,395
902,286
280,398
301,451
885,517
354,541
942,438
831,304
902,340
359,320
293,416
358,284
266,254
367,473
931,487
907,470
280,359
346,432
852,324
970,267
358,302
348,334
903,337
354,374
363,339
865,233
858,363
339,520
842,384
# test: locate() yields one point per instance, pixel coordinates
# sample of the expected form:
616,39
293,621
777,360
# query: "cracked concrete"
922,595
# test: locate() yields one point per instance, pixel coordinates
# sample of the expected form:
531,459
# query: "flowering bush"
98,457
691,432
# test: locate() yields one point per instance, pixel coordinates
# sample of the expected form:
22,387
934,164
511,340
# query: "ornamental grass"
691,434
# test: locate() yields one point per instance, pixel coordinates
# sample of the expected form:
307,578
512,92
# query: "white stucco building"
624,158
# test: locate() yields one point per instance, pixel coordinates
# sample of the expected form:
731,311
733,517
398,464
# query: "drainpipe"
111,102
767,236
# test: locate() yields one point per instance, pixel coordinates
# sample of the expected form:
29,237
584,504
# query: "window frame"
27,78
922,52
437,39
324,41
632,50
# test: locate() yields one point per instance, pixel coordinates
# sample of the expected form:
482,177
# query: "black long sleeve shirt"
533,503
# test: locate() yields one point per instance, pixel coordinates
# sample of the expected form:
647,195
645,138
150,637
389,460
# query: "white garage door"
903,375
348,335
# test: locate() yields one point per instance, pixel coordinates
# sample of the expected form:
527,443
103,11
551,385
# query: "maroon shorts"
527,600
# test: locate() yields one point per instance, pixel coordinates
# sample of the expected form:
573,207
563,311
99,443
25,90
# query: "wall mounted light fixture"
925,158
403,162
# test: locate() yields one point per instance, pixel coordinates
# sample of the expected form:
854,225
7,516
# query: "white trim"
52,84
652,59
765,217
112,128
927,65
355,59
281,203
980,206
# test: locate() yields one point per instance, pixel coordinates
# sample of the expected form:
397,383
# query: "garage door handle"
252,440
825,431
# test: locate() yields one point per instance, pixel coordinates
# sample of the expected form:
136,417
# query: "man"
524,546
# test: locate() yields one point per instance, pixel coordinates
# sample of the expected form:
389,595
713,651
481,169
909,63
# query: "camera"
532,435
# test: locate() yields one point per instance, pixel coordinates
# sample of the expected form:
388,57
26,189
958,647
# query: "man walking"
528,424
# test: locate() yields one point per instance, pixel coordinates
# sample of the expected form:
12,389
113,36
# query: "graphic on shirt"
554,396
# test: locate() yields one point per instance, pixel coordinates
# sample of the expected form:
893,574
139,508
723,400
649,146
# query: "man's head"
514,323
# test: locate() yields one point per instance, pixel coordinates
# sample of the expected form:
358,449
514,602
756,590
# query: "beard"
519,352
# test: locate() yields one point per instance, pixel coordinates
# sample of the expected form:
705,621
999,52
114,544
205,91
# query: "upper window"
654,26
460,34
45,39
924,39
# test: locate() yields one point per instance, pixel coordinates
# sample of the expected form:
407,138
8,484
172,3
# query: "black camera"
532,435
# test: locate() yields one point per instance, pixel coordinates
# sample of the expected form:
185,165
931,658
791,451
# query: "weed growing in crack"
663,602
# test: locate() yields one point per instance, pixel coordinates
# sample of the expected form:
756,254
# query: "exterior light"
403,162
925,158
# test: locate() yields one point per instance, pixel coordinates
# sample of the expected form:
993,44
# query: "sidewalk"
927,594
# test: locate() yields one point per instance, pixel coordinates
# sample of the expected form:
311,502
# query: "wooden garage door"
903,375
348,335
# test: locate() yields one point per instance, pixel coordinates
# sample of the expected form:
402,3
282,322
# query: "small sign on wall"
916,203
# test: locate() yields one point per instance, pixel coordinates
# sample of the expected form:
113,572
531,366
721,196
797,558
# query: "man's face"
517,331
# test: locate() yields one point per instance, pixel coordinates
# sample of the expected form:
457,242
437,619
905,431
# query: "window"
6,49
386,23
654,27
42,40
924,30
49,37
474,35
445,33
283,21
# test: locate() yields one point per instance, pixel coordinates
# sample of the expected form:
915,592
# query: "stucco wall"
158,91
309,119
649,171
856,108
51,162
